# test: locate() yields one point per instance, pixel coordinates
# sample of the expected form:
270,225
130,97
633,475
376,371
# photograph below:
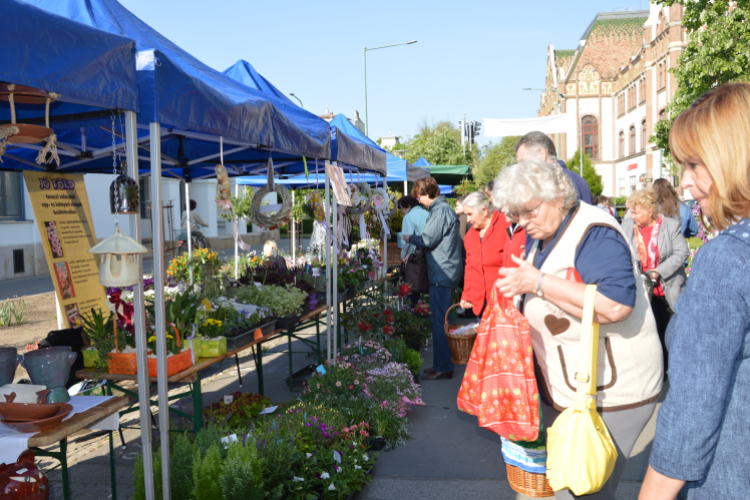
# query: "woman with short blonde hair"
701,431
569,245
662,251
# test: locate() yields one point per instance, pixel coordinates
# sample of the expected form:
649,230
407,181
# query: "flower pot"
51,367
377,444
9,360
242,339
91,359
175,363
350,293
124,363
213,348
288,322
341,296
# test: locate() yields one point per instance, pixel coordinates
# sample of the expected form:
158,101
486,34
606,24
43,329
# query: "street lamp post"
367,122
300,100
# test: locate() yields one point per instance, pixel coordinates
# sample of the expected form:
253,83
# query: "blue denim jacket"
702,433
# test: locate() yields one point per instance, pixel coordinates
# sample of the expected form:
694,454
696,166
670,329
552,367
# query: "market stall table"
190,375
86,418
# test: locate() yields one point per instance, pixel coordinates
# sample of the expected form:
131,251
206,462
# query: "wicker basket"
528,483
461,345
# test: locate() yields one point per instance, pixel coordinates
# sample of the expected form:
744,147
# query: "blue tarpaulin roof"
199,104
422,162
399,170
344,148
90,69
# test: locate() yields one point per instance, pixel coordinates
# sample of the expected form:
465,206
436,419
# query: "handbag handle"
588,362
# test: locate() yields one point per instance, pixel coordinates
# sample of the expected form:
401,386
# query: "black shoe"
428,370
438,376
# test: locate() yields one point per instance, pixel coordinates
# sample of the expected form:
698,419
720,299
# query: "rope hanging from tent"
282,216
51,142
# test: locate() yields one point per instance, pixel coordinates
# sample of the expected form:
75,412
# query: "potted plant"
242,329
213,343
98,330
179,357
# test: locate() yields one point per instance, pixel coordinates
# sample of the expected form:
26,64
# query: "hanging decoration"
381,201
361,195
118,265
25,133
284,212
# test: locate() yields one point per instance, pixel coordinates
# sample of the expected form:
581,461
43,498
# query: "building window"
590,127
642,90
663,114
11,195
658,73
632,98
644,139
633,187
622,144
632,139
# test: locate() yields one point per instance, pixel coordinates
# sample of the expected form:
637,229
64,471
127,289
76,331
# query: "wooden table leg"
63,458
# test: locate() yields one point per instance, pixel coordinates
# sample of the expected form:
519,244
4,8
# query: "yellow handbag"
580,452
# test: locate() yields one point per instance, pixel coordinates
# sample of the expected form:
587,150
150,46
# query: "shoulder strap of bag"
588,362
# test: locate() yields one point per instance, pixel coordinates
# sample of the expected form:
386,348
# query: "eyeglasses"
526,214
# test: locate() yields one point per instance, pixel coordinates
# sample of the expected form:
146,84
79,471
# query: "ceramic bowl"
25,412
41,425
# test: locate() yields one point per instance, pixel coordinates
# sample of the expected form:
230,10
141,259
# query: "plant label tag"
228,399
268,410
321,369
229,440
337,456
316,271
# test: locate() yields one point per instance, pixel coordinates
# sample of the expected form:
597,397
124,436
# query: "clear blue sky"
471,56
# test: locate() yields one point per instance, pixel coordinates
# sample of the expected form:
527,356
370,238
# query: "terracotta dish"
25,412
29,134
24,95
41,425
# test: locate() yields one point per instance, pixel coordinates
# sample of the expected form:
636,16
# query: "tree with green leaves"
440,144
593,179
495,157
717,52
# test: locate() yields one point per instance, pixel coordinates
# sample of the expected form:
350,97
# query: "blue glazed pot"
50,367
9,361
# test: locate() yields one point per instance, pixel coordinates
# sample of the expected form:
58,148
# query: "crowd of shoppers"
536,234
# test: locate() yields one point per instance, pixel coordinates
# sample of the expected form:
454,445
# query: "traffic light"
474,128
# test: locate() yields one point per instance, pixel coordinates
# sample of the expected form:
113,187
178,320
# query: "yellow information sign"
63,216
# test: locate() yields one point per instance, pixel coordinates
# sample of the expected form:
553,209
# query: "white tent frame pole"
144,394
294,233
157,219
405,189
335,291
236,243
189,230
387,221
328,265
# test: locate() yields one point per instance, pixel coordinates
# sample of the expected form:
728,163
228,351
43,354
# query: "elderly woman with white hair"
484,244
569,245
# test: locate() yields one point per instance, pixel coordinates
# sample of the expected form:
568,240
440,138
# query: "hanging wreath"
274,220
361,195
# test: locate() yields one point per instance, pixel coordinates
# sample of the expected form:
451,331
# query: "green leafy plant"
206,471
6,313
19,311
97,327
281,301
244,409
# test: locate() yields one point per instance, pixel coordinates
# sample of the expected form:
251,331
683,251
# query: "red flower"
364,326
404,290
388,330
388,312
422,308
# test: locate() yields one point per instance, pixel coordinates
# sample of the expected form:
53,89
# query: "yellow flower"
152,338
207,304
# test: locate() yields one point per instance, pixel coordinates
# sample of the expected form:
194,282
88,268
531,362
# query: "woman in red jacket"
484,244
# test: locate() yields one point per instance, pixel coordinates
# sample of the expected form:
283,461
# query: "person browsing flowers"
484,245
569,245
444,270
662,252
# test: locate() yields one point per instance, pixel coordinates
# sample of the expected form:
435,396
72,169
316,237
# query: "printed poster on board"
63,216
338,182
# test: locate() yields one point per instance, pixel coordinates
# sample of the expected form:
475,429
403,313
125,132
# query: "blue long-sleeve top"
702,432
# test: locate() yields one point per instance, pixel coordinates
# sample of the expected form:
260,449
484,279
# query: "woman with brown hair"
671,206
701,441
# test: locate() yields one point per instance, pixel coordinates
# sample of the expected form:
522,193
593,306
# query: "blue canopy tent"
92,71
422,162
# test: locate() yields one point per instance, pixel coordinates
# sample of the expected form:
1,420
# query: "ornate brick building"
617,84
